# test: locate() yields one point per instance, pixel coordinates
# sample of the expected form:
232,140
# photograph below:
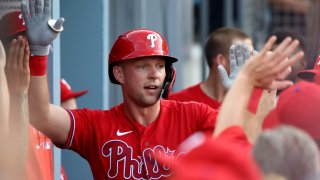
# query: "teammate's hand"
238,54
41,29
17,66
267,70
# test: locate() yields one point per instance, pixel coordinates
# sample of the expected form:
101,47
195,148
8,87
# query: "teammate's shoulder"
188,89
184,93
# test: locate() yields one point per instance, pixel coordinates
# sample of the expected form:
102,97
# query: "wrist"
40,50
38,65
245,78
18,95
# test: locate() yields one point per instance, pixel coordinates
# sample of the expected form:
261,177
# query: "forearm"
51,120
4,104
18,134
266,104
233,108
39,101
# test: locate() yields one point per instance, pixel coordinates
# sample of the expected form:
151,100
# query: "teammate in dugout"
213,90
120,143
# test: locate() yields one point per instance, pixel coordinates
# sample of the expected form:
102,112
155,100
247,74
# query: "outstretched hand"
268,70
238,55
265,70
41,29
17,66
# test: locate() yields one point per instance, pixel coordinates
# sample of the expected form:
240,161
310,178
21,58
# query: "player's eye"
160,66
142,66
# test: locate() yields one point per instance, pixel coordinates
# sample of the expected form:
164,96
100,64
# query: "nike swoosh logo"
123,133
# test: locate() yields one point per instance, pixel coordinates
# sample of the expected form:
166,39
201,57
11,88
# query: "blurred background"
80,55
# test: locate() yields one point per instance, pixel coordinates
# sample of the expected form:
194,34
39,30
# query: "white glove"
238,54
41,30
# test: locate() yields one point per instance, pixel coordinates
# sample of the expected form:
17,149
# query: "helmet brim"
168,59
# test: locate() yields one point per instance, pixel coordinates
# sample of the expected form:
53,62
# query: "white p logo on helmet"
152,38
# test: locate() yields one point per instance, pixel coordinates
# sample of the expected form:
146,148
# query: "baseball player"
226,51
119,143
214,88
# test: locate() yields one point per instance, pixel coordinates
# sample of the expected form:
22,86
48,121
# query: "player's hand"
41,29
17,66
267,70
238,54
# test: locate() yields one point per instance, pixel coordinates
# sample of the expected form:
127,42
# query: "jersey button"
147,143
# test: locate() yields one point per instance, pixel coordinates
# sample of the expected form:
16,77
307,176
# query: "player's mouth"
151,88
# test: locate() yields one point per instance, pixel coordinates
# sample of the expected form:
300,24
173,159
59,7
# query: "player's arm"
267,101
4,96
261,71
253,125
17,73
52,120
5,155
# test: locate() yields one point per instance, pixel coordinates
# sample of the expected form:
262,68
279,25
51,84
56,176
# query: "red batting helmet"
11,24
141,43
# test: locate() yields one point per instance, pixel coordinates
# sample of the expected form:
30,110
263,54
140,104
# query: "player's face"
143,80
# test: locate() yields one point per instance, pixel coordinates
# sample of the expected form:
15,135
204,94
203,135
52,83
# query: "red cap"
309,74
298,106
67,93
214,159
11,24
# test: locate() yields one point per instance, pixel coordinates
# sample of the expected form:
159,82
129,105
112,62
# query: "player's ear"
220,59
118,73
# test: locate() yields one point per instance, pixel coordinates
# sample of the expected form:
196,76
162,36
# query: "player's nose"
154,72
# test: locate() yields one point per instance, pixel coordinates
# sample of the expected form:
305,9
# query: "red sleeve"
80,132
236,135
208,119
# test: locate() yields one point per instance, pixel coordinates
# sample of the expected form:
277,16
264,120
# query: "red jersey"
39,162
117,147
194,93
